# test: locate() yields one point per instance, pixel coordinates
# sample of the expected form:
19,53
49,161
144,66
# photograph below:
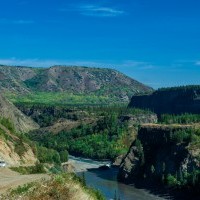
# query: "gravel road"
10,179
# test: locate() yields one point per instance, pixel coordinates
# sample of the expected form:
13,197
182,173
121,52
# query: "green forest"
104,140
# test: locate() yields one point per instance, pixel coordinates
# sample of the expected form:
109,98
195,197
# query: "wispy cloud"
95,10
29,62
184,63
137,64
19,21
197,63
128,64
23,22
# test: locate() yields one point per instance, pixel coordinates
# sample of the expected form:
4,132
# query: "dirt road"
10,179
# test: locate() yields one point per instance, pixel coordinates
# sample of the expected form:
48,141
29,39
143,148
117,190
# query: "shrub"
171,180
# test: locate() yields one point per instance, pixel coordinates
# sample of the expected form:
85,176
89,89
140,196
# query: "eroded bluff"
157,153
170,100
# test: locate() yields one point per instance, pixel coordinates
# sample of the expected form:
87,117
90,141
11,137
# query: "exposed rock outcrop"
10,156
117,162
139,119
68,167
13,150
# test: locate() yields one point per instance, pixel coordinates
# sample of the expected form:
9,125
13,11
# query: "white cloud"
28,62
95,10
137,64
197,63
20,21
187,62
92,10
23,22
47,63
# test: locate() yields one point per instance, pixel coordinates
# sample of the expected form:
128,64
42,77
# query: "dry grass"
59,187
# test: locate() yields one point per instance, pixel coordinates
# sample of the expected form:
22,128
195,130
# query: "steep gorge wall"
175,100
158,155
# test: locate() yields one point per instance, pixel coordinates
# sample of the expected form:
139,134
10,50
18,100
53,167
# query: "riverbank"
106,181
84,164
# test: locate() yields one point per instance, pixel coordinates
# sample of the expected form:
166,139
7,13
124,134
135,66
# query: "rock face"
13,150
68,167
76,80
21,122
139,119
117,162
157,155
171,100
10,156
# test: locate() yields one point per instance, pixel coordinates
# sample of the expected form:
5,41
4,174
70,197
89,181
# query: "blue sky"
156,42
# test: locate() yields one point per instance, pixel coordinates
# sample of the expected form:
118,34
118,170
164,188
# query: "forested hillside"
176,100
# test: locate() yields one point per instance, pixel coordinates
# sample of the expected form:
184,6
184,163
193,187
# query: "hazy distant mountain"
74,80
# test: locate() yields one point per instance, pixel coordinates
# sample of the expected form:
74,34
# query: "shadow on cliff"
166,192
151,187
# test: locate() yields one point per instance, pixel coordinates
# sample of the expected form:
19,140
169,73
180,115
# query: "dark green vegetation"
48,155
178,100
99,132
179,119
62,186
60,98
90,141
104,139
47,115
68,85
179,88
38,168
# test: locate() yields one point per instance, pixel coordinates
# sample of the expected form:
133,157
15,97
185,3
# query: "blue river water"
106,182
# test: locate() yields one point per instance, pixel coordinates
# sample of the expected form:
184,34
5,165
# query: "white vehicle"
2,163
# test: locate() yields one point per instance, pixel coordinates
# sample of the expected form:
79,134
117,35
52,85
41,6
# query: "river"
106,181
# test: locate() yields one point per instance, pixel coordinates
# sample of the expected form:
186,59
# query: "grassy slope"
53,98
65,186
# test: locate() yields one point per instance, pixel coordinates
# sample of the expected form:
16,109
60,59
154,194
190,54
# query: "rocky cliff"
158,152
171,100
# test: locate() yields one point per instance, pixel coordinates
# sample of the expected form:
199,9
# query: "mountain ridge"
101,82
